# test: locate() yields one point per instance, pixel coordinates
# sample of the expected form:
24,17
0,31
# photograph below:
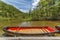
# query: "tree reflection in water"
25,24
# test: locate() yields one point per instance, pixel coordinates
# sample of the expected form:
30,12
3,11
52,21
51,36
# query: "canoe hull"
12,33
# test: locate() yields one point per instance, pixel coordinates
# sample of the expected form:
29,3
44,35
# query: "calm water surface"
32,23
40,23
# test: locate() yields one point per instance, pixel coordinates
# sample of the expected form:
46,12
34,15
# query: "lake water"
32,23
40,23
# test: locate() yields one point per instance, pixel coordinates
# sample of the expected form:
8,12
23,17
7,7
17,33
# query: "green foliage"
8,11
47,10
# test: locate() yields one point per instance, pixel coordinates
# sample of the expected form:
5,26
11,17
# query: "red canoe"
29,30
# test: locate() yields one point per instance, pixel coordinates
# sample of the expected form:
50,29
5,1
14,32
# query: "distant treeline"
46,10
8,11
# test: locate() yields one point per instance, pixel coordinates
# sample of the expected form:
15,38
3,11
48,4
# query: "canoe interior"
44,29
58,28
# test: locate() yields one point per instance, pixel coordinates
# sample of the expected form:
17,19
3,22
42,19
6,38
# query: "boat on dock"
34,30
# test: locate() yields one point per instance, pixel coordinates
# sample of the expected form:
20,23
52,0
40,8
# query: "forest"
9,12
46,10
